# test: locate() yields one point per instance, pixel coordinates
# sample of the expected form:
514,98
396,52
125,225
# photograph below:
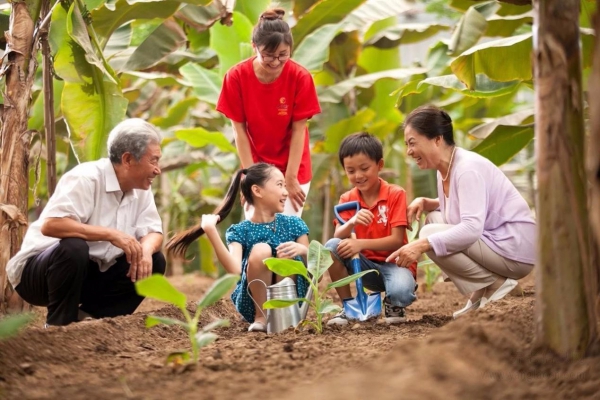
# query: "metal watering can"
279,319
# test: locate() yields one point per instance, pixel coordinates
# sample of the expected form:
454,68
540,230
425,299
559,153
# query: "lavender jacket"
484,204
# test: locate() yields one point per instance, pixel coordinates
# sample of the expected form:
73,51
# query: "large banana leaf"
313,52
231,42
324,12
164,40
80,33
201,18
490,59
506,25
375,10
338,131
375,60
344,52
335,93
404,34
251,8
301,6
112,15
200,137
484,87
175,114
91,111
522,117
471,26
206,83
505,142
486,58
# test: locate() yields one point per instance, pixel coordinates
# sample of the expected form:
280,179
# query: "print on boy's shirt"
282,108
383,219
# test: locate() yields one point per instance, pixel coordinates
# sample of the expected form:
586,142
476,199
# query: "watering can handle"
248,291
351,205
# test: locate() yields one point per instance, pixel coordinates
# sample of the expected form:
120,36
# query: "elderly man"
99,233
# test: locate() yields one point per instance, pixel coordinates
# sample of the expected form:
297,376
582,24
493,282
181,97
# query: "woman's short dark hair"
271,30
431,121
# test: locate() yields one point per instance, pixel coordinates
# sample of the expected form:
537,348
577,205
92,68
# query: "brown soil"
487,354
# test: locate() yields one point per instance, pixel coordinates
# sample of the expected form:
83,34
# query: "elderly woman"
479,230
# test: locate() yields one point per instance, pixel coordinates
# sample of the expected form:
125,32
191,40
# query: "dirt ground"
488,354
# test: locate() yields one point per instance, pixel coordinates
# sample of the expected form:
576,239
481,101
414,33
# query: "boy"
380,228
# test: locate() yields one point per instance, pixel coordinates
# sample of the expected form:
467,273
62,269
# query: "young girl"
267,234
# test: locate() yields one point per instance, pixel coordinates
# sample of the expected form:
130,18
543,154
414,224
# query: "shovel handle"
351,205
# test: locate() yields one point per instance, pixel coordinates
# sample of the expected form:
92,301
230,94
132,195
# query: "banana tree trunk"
593,159
566,320
19,71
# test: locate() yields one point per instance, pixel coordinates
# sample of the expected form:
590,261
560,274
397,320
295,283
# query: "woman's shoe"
503,290
257,327
469,307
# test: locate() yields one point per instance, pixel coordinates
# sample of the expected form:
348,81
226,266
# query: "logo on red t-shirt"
282,109
383,219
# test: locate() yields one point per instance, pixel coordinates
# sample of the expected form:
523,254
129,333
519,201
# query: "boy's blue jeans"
397,282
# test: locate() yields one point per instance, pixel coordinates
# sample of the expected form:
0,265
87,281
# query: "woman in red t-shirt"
269,99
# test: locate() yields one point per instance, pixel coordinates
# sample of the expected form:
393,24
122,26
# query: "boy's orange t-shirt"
389,211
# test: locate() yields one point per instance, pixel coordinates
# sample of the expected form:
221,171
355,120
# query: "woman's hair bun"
273,14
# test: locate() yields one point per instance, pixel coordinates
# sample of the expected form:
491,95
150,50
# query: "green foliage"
10,325
158,287
432,273
318,262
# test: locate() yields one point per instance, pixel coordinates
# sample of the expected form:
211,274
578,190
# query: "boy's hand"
349,247
414,211
209,221
362,217
291,250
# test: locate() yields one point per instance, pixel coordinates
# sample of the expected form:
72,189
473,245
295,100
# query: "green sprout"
431,270
10,325
158,287
319,261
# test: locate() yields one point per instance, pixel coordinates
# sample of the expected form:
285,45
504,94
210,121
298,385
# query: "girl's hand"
295,193
349,247
362,217
291,250
414,211
209,221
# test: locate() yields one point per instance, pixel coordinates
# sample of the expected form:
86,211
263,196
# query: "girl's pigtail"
179,243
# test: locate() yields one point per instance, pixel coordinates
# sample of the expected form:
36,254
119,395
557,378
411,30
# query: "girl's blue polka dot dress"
285,228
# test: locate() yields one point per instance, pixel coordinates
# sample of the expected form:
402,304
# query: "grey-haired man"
99,233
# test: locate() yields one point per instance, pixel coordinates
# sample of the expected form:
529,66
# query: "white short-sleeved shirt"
90,194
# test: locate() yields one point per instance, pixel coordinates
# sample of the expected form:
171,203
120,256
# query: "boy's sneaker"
339,319
393,314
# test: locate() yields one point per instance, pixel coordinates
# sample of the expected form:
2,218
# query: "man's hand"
349,247
143,269
296,195
291,250
132,249
362,217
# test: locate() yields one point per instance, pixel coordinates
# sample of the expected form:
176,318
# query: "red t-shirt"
269,110
389,211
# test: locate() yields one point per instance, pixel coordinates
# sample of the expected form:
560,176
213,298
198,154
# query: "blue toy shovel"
363,306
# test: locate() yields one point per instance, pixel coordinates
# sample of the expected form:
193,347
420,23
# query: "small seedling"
319,261
158,287
431,270
432,273
11,324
